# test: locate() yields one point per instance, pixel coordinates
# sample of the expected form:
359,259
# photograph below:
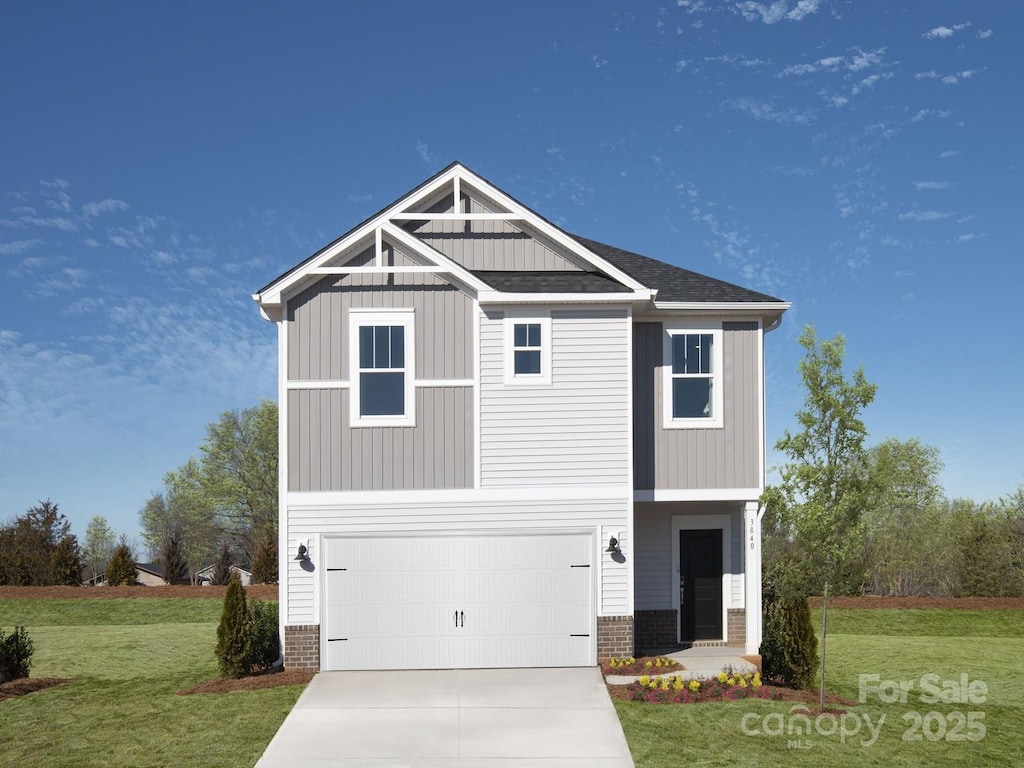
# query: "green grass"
126,660
894,644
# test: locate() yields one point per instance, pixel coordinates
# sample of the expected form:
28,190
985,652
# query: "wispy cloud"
924,113
938,33
428,157
56,194
18,246
948,153
738,60
922,185
984,34
780,10
68,279
92,210
925,215
858,60
768,111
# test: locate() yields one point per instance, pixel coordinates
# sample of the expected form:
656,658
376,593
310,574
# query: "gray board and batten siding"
698,458
324,453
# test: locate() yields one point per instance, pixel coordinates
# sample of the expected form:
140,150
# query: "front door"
700,585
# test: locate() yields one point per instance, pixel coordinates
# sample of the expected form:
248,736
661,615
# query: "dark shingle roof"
672,283
550,282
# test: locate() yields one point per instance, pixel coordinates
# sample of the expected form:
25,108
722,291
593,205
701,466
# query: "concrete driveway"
470,718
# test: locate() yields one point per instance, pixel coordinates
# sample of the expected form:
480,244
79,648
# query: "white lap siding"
573,431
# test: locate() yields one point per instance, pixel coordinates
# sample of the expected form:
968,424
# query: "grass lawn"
900,645
126,660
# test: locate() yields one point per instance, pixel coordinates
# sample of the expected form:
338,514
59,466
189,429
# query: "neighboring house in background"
505,445
150,575
205,576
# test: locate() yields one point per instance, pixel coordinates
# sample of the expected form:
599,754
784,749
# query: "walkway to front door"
529,718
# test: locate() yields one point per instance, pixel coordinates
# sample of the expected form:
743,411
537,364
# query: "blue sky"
160,162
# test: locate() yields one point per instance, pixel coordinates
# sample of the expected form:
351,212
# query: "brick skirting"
302,647
655,630
737,630
614,637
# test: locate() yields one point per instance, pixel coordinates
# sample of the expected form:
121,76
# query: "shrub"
16,651
66,562
789,649
222,568
264,564
265,643
172,558
234,642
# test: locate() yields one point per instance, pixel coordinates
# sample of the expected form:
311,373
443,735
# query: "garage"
458,601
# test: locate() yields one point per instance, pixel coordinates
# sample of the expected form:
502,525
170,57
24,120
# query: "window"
527,348
693,377
381,368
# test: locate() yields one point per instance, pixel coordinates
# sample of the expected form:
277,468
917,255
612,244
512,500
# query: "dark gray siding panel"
325,454
698,458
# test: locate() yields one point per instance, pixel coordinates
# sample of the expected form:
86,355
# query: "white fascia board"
725,306
273,294
550,231
699,494
433,255
498,297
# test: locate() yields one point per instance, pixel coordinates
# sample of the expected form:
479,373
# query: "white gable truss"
385,229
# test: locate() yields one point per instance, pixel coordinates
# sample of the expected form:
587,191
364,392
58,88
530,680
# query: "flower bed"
673,689
652,665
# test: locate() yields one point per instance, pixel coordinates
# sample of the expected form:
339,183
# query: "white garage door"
459,602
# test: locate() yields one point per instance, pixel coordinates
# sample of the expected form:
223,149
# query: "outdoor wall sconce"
613,546
303,555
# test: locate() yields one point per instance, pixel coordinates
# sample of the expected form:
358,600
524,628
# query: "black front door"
700,585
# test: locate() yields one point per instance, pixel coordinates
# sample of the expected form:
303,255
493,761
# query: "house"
505,445
149,575
205,577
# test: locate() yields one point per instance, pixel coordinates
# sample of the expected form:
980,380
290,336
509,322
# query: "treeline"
220,508
875,520
38,549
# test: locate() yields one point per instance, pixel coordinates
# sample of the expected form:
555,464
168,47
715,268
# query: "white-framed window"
382,359
692,376
527,348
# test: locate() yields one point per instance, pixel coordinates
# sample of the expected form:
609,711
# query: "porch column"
752,574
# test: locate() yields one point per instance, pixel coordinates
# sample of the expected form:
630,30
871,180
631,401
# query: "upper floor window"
527,348
381,368
693,377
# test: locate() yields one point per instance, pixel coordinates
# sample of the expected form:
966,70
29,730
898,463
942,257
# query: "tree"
264,563
28,543
99,543
173,560
66,563
818,504
789,649
121,570
222,568
908,545
233,638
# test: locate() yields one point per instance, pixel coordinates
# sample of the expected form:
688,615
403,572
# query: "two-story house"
505,445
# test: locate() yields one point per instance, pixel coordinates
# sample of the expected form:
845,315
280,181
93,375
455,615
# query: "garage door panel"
519,600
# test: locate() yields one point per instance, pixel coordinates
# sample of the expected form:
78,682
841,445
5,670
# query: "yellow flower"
756,679
648,663
632,660
722,677
644,679
695,685
657,662
742,683
612,664
677,686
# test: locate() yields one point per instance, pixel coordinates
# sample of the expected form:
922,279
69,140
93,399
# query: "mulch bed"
25,685
968,603
639,667
251,683
775,693
260,591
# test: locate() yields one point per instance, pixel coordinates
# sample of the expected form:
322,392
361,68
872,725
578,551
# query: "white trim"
315,384
490,296
404,239
309,500
412,216
478,319
443,383
527,317
717,375
382,270
358,318
761,415
725,306
283,617
751,549
698,494
704,523
378,246
456,194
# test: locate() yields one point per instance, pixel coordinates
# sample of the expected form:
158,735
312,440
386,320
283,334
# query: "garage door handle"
462,619
456,618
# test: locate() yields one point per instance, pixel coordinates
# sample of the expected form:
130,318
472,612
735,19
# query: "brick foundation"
614,636
302,647
656,629
737,629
